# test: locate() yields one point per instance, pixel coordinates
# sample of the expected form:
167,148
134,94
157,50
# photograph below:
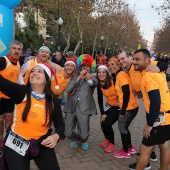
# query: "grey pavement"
95,158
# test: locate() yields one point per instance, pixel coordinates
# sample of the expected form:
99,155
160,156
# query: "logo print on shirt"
11,74
38,105
33,114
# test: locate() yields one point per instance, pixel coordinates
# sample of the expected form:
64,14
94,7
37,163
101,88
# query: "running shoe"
73,144
132,150
85,145
110,148
104,143
153,156
133,166
121,154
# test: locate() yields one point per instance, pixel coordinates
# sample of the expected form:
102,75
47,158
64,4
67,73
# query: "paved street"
95,158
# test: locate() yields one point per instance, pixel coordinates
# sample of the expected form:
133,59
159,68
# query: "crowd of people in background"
34,86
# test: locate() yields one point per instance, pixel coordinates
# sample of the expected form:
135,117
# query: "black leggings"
46,160
112,117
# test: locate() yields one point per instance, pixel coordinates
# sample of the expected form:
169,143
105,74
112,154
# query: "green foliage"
29,38
29,35
85,20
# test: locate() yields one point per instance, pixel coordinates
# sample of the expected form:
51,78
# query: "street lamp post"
60,22
102,38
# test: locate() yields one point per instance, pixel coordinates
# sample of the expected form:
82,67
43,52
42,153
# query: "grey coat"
83,93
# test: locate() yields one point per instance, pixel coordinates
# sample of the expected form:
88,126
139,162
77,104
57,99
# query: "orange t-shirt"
152,81
153,63
34,127
110,94
135,78
123,79
11,72
101,60
62,83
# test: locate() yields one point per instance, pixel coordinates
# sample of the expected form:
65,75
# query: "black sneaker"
152,156
133,166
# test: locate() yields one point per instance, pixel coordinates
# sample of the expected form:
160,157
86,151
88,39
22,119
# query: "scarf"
37,96
11,59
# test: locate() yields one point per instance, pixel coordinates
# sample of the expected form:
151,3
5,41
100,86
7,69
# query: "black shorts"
158,135
6,106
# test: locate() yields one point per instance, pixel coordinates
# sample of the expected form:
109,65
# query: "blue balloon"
7,24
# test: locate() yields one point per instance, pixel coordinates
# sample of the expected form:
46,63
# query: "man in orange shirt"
126,63
156,98
9,69
101,59
128,105
43,55
63,74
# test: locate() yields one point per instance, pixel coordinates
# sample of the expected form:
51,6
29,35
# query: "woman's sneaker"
152,156
132,150
73,144
85,145
121,154
104,143
110,147
133,166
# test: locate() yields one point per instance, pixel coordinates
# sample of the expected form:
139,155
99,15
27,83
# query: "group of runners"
30,104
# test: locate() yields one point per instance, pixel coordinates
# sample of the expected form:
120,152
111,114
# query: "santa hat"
50,72
70,60
85,59
104,67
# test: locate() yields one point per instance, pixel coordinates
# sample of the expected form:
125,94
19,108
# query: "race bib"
106,106
159,120
17,143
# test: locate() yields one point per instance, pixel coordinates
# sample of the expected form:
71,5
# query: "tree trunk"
94,44
107,40
67,40
80,33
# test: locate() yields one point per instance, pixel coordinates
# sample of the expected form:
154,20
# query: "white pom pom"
56,87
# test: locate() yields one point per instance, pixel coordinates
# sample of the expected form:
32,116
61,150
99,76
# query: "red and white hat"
50,72
104,67
70,60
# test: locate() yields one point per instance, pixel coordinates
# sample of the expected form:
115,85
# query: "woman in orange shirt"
128,107
109,112
36,107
